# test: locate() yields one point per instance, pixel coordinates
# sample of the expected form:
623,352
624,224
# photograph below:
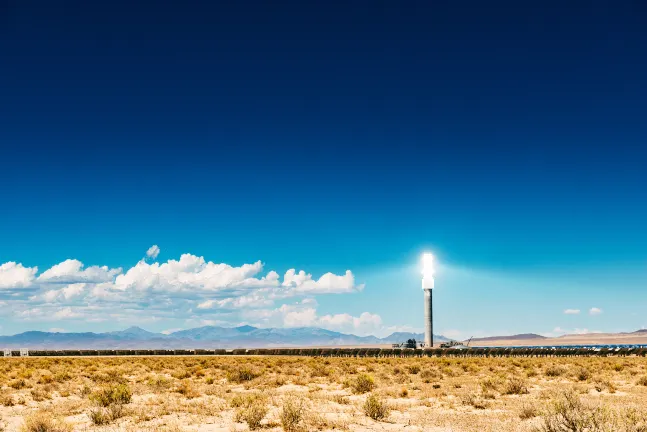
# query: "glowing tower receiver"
427,286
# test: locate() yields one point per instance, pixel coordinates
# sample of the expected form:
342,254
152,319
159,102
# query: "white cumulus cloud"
71,270
153,251
190,273
190,288
595,311
572,311
15,275
328,283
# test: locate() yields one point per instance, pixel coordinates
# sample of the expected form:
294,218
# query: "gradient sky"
507,138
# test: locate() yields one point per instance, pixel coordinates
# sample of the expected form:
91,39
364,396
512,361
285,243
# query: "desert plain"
240,393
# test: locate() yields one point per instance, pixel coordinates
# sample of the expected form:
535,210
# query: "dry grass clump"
413,369
583,374
111,395
516,386
341,399
105,415
555,371
642,381
364,383
429,375
490,384
159,383
44,422
605,384
109,401
474,400
319,370
569,414
40,394
529,411
241,375
376,408
18,384
252,414
187,389
6,400
292,414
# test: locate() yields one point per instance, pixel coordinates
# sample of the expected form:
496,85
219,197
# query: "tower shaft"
429,321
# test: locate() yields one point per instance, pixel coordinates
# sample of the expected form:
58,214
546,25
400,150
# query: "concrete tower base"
429,325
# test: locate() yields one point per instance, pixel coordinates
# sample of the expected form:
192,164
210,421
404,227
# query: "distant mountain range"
201,337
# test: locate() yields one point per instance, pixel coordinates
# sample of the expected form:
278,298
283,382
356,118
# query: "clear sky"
507,138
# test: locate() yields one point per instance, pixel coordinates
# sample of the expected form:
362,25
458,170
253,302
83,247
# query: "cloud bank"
191,289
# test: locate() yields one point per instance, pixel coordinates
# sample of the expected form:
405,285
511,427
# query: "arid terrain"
638,338
232,393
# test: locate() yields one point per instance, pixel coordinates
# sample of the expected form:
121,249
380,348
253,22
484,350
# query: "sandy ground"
306,394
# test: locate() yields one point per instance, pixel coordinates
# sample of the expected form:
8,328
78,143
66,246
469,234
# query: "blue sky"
508,139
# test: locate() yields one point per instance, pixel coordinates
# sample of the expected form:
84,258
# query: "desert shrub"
108,376
528,411
181,374
6,400
472,399
569,414
44,422
84,390
252,414
340,399
449,372
642,381
102,416
363,384
490,384
246,399
187,389
109,401
238,401
159,383
45,379
99,417
18,384
39,395
319,370
429,375
555,371
112,395
583,374
62,376
603,384
403,392
375,408
516,386
292,414
241,375
413,369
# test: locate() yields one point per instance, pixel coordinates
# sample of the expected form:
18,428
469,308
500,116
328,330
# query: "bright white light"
427,265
